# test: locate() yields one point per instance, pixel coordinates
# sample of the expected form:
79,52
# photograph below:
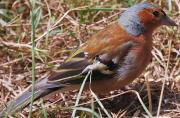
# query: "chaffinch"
115,55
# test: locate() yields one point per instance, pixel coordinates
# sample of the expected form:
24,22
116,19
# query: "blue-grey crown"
130,19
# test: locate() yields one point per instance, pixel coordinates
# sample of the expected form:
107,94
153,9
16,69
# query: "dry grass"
62,27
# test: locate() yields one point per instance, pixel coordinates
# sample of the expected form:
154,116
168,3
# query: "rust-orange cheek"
145,16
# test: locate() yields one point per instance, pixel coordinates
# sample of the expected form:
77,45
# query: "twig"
148,91
164,80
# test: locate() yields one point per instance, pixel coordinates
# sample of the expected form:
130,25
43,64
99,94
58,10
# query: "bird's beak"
169,22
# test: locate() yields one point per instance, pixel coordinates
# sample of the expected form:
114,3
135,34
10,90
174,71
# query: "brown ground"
76,27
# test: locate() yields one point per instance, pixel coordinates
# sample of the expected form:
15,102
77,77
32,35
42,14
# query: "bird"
115,56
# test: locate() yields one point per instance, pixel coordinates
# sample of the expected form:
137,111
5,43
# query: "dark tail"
41,89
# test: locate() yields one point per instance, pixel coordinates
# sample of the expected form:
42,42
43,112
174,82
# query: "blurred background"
63,25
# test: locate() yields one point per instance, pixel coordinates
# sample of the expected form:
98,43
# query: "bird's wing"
76,67
101,54
75,70
72,67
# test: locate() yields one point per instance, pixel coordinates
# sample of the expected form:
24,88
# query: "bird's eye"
156,13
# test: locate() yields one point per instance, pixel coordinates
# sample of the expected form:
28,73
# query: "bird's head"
144,18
